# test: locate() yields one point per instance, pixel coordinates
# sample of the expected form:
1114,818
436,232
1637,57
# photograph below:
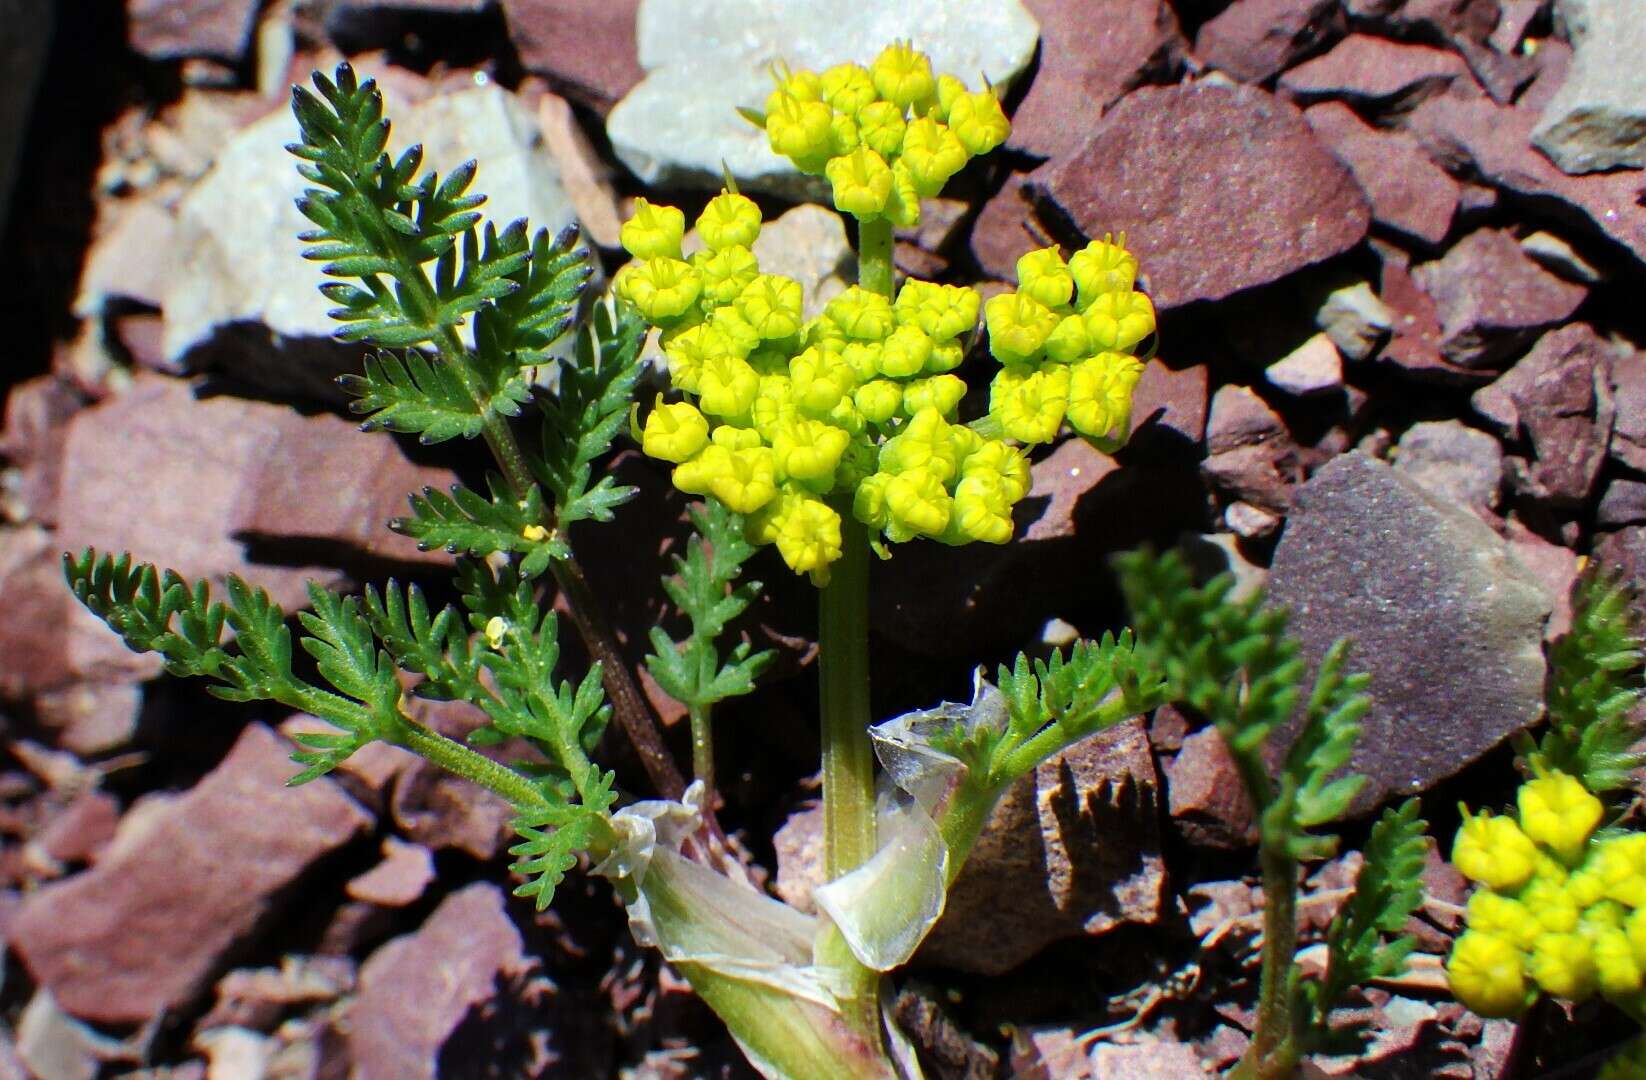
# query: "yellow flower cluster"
1066,338
886,135
791,420
1559,911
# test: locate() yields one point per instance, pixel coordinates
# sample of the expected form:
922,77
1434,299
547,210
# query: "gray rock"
1071,849
1453,462
1597,119
1314,367
1623,504
243,296
703,60
1493,298
186,879
1446,621
1355,319
808,244
1628,444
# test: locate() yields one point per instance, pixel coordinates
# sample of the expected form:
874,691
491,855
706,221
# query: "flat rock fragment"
585,48
138,934
1255,39
1453,461
1597,119
1374,72
177,29
1447,623
1201,233
680,126
1493,298
1408,191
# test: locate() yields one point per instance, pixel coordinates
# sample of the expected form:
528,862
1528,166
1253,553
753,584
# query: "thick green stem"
702,748
1273,1054
874,256
458,759
843,668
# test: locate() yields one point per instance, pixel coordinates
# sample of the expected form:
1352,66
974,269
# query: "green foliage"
1365,940
360,647
1052,704
1594,691
586,414
705,590
466,523
377,224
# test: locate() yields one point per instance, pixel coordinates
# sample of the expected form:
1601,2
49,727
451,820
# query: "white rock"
1560,257
1250,522
808,244
1314,367
1355,319
1597,119
704,59
238,259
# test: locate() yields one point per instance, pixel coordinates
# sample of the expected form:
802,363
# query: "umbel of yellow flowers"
794,422
1559,910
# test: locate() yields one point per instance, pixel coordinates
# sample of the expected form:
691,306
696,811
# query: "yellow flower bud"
1559,812
905,352
819,379
983,508
674,432
663,289
916,505
808,451
1493,851
1103,266
926,443
978,121
727,387
807,534
1634,927
802,85
1620,863
1607,914
843,135
725,273
801,131
847,87
748,481
736,438
861,182
1028,404
878,400
860,314
771,305
1018,326
880,125
774,404
903,76
1563,965
1100,394
497,628
697,476
1617,972
653,232
1585,887
946,356
997,458
1119,320
1494,913
1485,973
1069,342
949,90
1044,275
903,205
869,500
845,416
940,392
536,534
730,220
1549,904
932,153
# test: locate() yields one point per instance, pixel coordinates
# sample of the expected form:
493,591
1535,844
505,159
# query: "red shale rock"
173,29
1492,297
1474,134
185,879
1189,174
1206,796
585,48
1409,192
1091,53
417,989
1374,71
1254,39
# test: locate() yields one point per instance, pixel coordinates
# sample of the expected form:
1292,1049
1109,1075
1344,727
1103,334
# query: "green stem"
458,759
702,748
874,256
1273,1054
843,669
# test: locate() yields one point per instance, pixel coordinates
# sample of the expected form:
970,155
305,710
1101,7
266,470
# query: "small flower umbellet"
796,422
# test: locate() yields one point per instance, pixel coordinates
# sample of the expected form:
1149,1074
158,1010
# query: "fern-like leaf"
552,835
1331,724
1594,690
465,522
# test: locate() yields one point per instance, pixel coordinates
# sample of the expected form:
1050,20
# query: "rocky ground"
1399,252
